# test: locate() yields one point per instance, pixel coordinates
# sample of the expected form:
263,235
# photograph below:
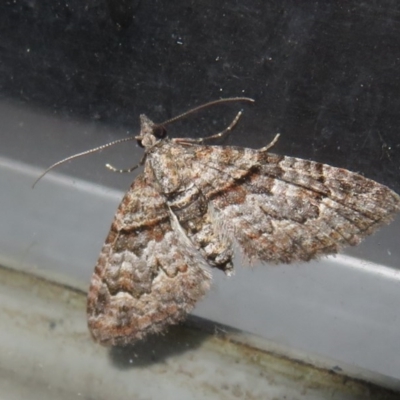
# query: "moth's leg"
218,135
271,144
123,171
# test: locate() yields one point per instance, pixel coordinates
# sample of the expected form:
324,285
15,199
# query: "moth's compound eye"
139,142
160,132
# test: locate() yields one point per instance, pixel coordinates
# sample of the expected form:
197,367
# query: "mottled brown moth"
180,217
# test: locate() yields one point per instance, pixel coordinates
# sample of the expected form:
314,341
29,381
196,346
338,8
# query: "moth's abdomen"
202,227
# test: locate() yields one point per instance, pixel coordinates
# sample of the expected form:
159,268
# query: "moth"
182,214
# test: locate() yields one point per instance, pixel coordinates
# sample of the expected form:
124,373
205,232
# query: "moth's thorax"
168,164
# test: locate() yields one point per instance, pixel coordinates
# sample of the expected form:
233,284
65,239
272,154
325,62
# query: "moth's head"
150,133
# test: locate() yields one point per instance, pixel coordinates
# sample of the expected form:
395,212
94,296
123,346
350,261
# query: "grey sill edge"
47,353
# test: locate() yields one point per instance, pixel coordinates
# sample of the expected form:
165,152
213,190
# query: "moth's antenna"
84,153
104,146
211,103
